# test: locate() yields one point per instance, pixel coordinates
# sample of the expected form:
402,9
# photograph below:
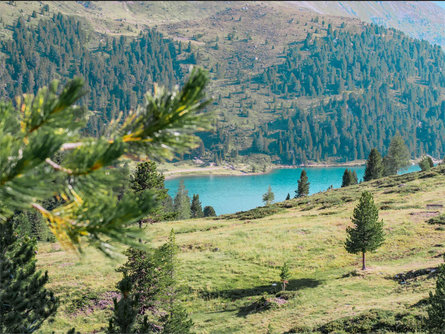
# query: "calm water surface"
229,194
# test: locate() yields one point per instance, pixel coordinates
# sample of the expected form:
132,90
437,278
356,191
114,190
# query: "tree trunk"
363,261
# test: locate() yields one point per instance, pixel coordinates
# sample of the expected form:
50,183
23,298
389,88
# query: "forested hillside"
118,71
300,87
377,82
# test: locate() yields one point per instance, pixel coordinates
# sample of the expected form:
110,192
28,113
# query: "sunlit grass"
228,264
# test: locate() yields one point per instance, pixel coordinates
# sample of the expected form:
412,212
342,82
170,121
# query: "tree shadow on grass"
234,294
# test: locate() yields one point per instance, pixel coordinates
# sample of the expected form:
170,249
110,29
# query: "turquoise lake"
229,194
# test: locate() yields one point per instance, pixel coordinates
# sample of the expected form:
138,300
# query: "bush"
375,321
440,220
256,213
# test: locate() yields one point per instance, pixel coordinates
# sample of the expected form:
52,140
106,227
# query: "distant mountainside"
418,19
287,81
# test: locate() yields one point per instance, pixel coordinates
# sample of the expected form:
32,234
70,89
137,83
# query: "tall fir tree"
435,321
346,180
397,157
182,202
367,234
153,279
25,303
303,185
269,196
196,207
374,166
147,178
353,177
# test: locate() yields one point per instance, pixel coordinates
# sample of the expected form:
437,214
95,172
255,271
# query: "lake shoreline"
229,170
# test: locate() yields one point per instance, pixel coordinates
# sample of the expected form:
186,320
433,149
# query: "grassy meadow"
228,263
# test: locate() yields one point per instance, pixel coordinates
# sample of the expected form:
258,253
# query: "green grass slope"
227,264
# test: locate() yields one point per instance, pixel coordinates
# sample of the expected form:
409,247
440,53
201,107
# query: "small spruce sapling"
269,196
284,275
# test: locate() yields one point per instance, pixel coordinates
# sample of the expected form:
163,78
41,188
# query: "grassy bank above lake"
227,264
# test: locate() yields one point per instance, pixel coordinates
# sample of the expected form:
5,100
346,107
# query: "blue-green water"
229,194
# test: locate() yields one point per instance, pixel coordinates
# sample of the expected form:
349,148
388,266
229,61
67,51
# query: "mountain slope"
286,81
227,265
422,20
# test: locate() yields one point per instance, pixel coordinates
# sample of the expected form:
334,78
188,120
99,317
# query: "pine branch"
43,155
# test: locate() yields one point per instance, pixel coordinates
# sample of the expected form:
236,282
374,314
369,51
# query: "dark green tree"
125,310
182,202
196,207
25,303
367,234
209,211
349,178
346,181
177,321
143,270
435,321
147,178
397,156
430,161
354,177
424,164
374,166
303,185
288,197
269,196
152,274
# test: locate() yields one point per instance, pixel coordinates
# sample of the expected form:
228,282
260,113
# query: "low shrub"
439,220
375,321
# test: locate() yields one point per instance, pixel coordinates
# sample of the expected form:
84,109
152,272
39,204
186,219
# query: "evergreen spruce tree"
430,161
374,166
436,310
177,321
144,271
147,178
303,185
353,177
196,207
269,196
182,202
152,274
209,211
346,181
288,197
125,310
25,303
424,164
397,156
367,234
